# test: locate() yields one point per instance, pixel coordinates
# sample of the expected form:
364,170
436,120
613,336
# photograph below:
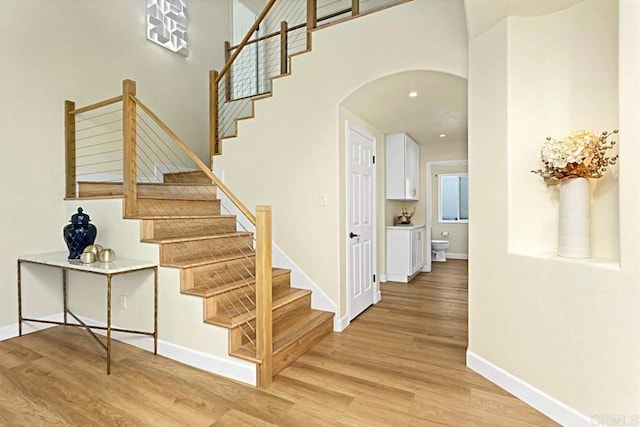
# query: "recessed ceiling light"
442,135
413,94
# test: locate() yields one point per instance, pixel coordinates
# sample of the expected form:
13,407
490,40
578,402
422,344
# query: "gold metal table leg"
108,324
64,293
155,310
19,298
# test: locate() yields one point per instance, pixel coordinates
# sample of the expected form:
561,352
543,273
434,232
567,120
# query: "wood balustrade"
214,145
284,40
70,149
129,139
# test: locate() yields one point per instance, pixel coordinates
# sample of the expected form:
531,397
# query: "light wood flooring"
400,363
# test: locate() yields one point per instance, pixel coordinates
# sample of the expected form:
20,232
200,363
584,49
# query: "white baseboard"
383,278
396,278
456,256
319,299
208,362
377,297
11,331
340,323
535,398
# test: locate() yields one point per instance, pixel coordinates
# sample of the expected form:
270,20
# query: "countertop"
405,227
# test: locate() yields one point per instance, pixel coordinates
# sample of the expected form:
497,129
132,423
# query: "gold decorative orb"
107,255
94,249
87,257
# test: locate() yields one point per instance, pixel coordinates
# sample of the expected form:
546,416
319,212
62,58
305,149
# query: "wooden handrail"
245,211
289,29
245,40
97,105
264,320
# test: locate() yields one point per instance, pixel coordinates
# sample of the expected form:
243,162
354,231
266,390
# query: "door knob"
352,235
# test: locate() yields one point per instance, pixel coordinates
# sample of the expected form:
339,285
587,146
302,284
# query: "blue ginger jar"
79,234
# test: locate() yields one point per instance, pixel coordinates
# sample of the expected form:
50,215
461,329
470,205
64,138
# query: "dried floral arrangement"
583,154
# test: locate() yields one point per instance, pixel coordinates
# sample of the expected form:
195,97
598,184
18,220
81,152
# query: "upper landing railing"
282,30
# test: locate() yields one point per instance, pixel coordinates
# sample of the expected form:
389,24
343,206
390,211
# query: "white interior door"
361,220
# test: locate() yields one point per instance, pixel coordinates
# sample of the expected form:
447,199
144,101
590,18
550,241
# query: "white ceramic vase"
574,236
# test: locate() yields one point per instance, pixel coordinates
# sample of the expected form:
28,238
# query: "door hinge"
374,160
374,278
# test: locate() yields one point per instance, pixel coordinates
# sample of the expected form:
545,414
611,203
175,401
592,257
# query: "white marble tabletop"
59,259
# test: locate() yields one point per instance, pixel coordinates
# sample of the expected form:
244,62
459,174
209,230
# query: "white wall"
291,152
82,50
568,328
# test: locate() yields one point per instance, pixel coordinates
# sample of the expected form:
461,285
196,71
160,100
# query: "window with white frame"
453,198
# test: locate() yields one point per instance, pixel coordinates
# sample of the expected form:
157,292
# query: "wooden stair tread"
162,184
150,217
301,326
200,237
205,291
201,262
280,297
99,197
181,199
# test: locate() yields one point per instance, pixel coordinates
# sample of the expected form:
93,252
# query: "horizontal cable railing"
124,148
93,149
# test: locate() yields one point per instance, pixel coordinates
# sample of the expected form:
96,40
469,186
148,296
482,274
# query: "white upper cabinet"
403,170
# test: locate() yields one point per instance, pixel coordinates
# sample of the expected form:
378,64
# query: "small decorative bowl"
107,255
87,257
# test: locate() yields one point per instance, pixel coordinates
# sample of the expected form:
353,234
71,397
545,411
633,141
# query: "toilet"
438,249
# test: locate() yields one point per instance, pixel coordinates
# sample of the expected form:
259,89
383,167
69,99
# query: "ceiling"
439,108
483,14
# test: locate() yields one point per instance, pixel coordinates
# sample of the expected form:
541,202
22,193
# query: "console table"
109,270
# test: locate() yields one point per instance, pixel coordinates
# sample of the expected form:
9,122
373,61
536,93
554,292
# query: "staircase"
178,215
174,195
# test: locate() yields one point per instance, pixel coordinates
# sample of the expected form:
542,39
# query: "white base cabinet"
405,252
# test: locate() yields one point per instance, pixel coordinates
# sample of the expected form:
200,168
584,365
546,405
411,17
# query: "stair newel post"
312,19
70,148
355,7
264,326
284,41
214,148
129,167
